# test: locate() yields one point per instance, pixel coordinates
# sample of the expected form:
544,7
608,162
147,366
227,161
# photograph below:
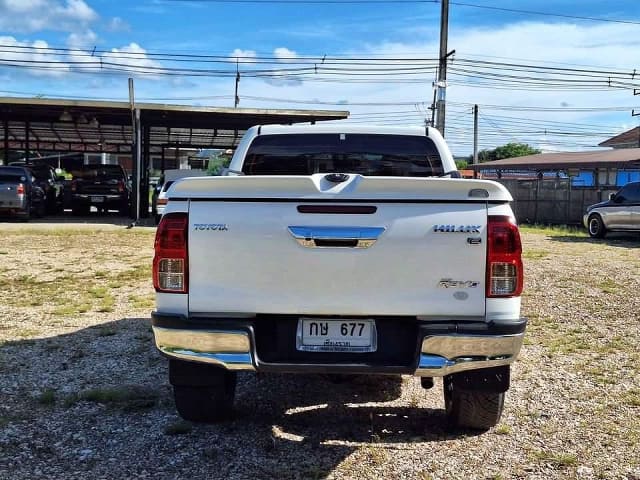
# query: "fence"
552,201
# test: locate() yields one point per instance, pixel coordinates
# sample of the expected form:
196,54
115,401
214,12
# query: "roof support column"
6,141
26,141
137,165
144,177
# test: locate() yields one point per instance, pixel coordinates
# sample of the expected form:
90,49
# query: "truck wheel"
80,210
202,393
475,409
41,209
596,226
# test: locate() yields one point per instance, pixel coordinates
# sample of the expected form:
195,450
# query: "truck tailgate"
428,259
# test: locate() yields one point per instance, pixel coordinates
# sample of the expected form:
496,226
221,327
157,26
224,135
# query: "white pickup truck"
339,249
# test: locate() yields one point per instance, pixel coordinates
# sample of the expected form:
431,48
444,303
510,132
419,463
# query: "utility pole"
237,98
442,67
636,91
475,138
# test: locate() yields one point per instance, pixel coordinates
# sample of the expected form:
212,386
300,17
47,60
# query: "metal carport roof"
60,125
618,158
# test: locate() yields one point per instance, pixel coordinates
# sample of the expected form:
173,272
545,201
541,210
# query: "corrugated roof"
618,158
629,138
169,125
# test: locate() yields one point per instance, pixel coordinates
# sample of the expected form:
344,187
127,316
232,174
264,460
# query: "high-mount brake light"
505,276
171,260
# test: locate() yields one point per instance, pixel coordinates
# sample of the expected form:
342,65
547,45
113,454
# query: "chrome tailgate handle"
336,237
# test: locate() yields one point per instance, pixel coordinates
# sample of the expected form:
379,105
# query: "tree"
218,161
510,150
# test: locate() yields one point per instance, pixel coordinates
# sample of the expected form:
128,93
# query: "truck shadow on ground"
285,426
616,239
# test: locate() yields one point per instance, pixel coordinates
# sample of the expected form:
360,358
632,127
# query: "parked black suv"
102,186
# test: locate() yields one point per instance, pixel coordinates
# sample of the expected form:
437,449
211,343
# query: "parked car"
20,196
159,195
102,186
51,183
159,199
620,213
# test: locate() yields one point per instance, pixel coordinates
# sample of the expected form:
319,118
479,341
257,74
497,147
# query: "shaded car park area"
62,140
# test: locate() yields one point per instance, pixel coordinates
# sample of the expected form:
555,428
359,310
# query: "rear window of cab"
364,154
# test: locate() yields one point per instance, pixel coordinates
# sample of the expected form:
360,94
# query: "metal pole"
237,98
475,134
442,69
6,142
26,141
135,151
138,163
144,199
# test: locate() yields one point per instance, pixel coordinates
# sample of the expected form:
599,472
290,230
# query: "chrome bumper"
229,349
446,354
439,355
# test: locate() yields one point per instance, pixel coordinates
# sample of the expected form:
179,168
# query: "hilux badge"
457,228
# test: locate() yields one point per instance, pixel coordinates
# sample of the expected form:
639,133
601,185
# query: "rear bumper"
440,349
99,199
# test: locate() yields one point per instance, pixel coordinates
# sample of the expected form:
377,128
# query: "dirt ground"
84,394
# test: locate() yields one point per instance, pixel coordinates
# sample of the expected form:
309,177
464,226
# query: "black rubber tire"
210,398
52,206
41,210
595,226
474,409
80,210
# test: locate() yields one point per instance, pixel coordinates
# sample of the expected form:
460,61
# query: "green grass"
609,286
127,397
178,428
556,459
502,429
47,397
141,302
535,254
632,397
555,230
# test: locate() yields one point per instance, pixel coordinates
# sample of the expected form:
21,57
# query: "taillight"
171,260
20,189
74,186
120,186
504,258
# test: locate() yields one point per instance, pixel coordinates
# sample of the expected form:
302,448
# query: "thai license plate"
97,199
343,335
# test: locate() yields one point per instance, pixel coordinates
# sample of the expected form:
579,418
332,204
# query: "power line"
460,4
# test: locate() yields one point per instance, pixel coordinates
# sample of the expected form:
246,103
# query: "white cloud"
117,24
244,56
24,54
284,54
86,39
133,56
25,16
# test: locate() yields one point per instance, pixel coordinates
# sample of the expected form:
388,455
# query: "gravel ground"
83,394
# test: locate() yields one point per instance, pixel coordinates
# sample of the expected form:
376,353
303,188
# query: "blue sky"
132,34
